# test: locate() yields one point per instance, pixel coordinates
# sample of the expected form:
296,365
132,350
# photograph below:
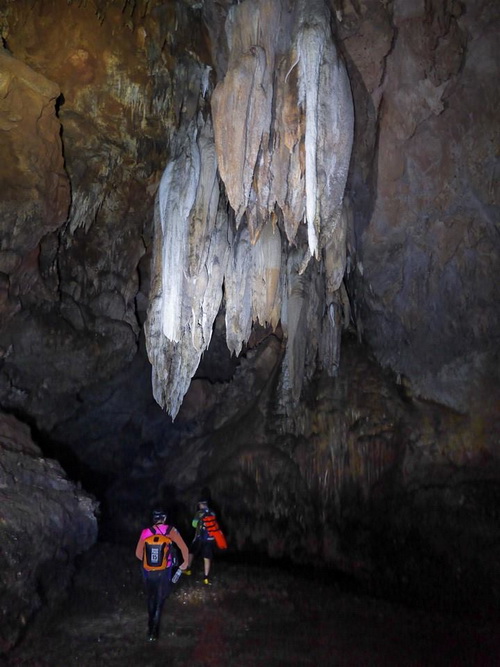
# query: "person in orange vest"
203,542
154,550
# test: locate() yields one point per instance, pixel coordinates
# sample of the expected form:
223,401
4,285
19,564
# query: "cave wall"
74,318
45,522
431,313
388,474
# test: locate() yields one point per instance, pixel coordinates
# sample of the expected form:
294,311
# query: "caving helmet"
159,516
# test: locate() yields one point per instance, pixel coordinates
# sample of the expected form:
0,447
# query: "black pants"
158,587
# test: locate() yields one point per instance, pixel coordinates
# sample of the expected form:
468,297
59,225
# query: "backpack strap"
155,532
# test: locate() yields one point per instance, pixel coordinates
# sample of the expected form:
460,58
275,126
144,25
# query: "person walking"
154,549
203,543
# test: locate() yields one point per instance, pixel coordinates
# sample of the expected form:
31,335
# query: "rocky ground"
251,616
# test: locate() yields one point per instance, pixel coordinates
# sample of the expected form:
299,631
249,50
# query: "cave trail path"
252,616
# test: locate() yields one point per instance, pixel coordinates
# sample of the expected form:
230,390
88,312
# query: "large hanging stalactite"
190,256
285,105
282,136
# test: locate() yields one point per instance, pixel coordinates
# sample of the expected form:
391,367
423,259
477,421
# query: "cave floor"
251,616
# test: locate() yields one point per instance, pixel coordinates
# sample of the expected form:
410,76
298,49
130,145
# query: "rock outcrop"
45,522
426,250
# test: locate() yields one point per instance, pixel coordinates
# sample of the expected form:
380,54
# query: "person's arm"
139,550
175,536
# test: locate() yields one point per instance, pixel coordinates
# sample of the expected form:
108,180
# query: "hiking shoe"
153,633
207,581
188,572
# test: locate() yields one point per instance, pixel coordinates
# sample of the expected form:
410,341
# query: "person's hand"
184,565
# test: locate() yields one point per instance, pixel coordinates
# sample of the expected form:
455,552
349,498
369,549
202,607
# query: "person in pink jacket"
158,582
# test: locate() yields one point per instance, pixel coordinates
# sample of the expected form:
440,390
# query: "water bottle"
177,575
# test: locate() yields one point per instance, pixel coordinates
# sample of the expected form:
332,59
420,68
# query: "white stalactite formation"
281,143
190,256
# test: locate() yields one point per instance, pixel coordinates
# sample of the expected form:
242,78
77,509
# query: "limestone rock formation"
84,289
432,236
35,188
45,522
282,128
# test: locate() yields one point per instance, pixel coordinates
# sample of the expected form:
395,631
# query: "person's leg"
163,591
194,550
151,581
207,553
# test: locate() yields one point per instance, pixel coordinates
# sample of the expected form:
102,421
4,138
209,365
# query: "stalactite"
293,164
177,194
310,46
282,136
191,254
295,323
238,290
267,275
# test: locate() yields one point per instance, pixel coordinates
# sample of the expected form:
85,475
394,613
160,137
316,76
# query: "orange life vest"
213,530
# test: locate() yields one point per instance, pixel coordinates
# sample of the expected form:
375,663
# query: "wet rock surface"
251,616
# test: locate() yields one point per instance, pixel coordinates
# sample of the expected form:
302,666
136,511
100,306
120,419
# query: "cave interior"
251,250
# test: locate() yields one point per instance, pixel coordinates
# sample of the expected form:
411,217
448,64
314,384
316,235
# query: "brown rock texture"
420,252
35,187
430,245
80,285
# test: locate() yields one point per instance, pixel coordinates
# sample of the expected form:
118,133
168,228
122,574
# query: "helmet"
159,516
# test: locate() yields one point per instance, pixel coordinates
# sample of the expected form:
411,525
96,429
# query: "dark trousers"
204,548
158,587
